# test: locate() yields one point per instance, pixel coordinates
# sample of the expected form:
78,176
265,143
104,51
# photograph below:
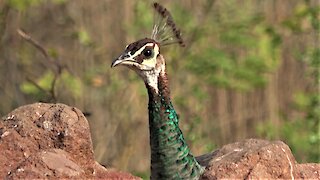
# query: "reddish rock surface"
256,159
49,141
53,141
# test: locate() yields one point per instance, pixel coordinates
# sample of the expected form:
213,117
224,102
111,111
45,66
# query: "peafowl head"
139,56
144,56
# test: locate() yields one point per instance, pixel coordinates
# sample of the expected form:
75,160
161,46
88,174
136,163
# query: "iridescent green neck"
170,156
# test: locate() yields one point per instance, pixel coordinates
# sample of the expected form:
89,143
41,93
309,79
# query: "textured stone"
49,141
256,159
45,141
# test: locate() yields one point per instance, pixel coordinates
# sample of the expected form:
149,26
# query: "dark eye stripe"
133,47
140,58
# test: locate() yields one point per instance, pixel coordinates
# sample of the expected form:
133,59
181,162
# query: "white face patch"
151,62
149,68
151,77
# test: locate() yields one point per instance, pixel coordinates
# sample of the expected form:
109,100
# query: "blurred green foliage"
24,4
83,37
39,88
255,44
48,83
303,134
255,51
70,83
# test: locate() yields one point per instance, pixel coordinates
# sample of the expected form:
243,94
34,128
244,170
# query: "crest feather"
164,30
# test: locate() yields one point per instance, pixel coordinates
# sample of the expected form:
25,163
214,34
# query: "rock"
256,159
53,141
49,141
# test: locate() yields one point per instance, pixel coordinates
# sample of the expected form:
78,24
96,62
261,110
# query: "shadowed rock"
49,141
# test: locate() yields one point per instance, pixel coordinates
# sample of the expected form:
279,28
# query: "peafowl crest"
170,156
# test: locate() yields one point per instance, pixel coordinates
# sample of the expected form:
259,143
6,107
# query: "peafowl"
170,156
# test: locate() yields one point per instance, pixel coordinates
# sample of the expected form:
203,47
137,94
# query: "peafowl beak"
124,59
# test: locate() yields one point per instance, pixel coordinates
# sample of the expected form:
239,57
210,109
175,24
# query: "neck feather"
170,156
